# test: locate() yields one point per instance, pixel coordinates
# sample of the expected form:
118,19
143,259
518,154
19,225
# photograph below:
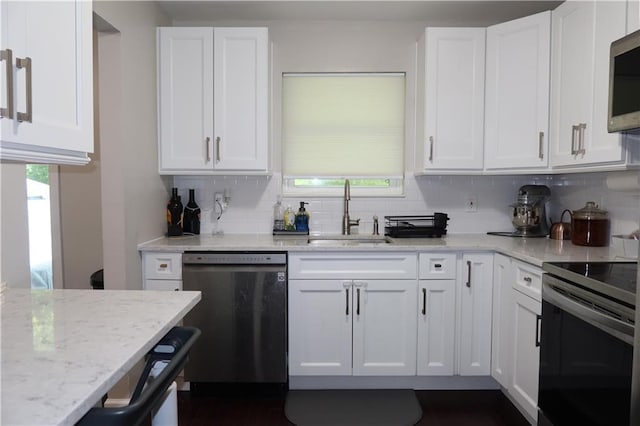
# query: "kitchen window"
343,125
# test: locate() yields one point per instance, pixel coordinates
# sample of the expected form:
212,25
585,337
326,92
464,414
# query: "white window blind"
343,125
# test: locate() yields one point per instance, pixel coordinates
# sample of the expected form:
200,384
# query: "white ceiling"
451,12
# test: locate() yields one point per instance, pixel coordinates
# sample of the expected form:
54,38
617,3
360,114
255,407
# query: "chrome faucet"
347,223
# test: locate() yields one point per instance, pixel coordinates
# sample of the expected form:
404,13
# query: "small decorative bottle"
278,215
174,214
192,215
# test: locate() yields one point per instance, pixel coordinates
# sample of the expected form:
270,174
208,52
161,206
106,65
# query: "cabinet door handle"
206,144
469,273
538,323
7,56
358,301
28,114
424,301
218,141
346,312
541,145
581,128
574,131
431,148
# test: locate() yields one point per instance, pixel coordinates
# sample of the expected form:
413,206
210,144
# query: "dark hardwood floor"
439,408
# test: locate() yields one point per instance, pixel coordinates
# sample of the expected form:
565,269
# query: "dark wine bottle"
174,214
192,215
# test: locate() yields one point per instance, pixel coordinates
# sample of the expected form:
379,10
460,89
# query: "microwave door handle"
609,325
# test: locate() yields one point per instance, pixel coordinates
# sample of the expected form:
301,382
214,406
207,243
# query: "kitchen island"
63,350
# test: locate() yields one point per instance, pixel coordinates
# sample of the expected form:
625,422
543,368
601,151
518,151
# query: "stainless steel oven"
586,343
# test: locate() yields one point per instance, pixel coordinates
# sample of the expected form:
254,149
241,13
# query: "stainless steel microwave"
624,84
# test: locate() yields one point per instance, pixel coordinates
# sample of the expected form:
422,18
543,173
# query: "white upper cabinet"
185,98
454,98
46,82
581,36
517,93
213,100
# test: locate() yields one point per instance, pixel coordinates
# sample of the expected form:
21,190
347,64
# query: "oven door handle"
606,323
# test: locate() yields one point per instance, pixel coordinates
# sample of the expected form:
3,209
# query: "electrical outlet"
471,205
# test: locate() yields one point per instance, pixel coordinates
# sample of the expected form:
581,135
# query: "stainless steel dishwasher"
242,316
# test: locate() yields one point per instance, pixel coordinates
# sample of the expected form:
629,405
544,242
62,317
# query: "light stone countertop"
532,250
62,350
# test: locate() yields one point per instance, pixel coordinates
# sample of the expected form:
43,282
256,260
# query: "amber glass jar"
590,226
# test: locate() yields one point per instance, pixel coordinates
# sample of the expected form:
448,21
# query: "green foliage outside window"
333,183
38,172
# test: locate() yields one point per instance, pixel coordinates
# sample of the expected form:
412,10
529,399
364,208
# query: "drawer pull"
347,303
164,266
437,265
528,280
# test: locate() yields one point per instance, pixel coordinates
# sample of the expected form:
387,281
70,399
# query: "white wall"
133,194
14,226
80,210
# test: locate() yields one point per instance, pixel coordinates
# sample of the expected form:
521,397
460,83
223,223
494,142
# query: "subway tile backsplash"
250,208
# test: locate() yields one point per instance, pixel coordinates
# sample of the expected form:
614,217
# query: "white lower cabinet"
475,314
355,325
319,327
436,314
436,327
526,352
162,271
502,329
517,306
384,327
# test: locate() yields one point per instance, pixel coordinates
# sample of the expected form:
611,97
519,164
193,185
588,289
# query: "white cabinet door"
633,16
454,98
185,99
52,73
320,336
526,353
241,98
384,327
475,314
582,33
502,328
517,93
213,100
436,327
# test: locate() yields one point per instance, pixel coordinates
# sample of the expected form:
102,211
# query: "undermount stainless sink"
347,240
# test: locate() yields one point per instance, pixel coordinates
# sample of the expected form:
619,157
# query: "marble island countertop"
531,250
62,350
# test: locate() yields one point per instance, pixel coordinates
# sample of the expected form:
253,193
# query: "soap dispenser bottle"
289,219
302,218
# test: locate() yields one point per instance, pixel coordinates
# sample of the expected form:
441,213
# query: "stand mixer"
529,213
